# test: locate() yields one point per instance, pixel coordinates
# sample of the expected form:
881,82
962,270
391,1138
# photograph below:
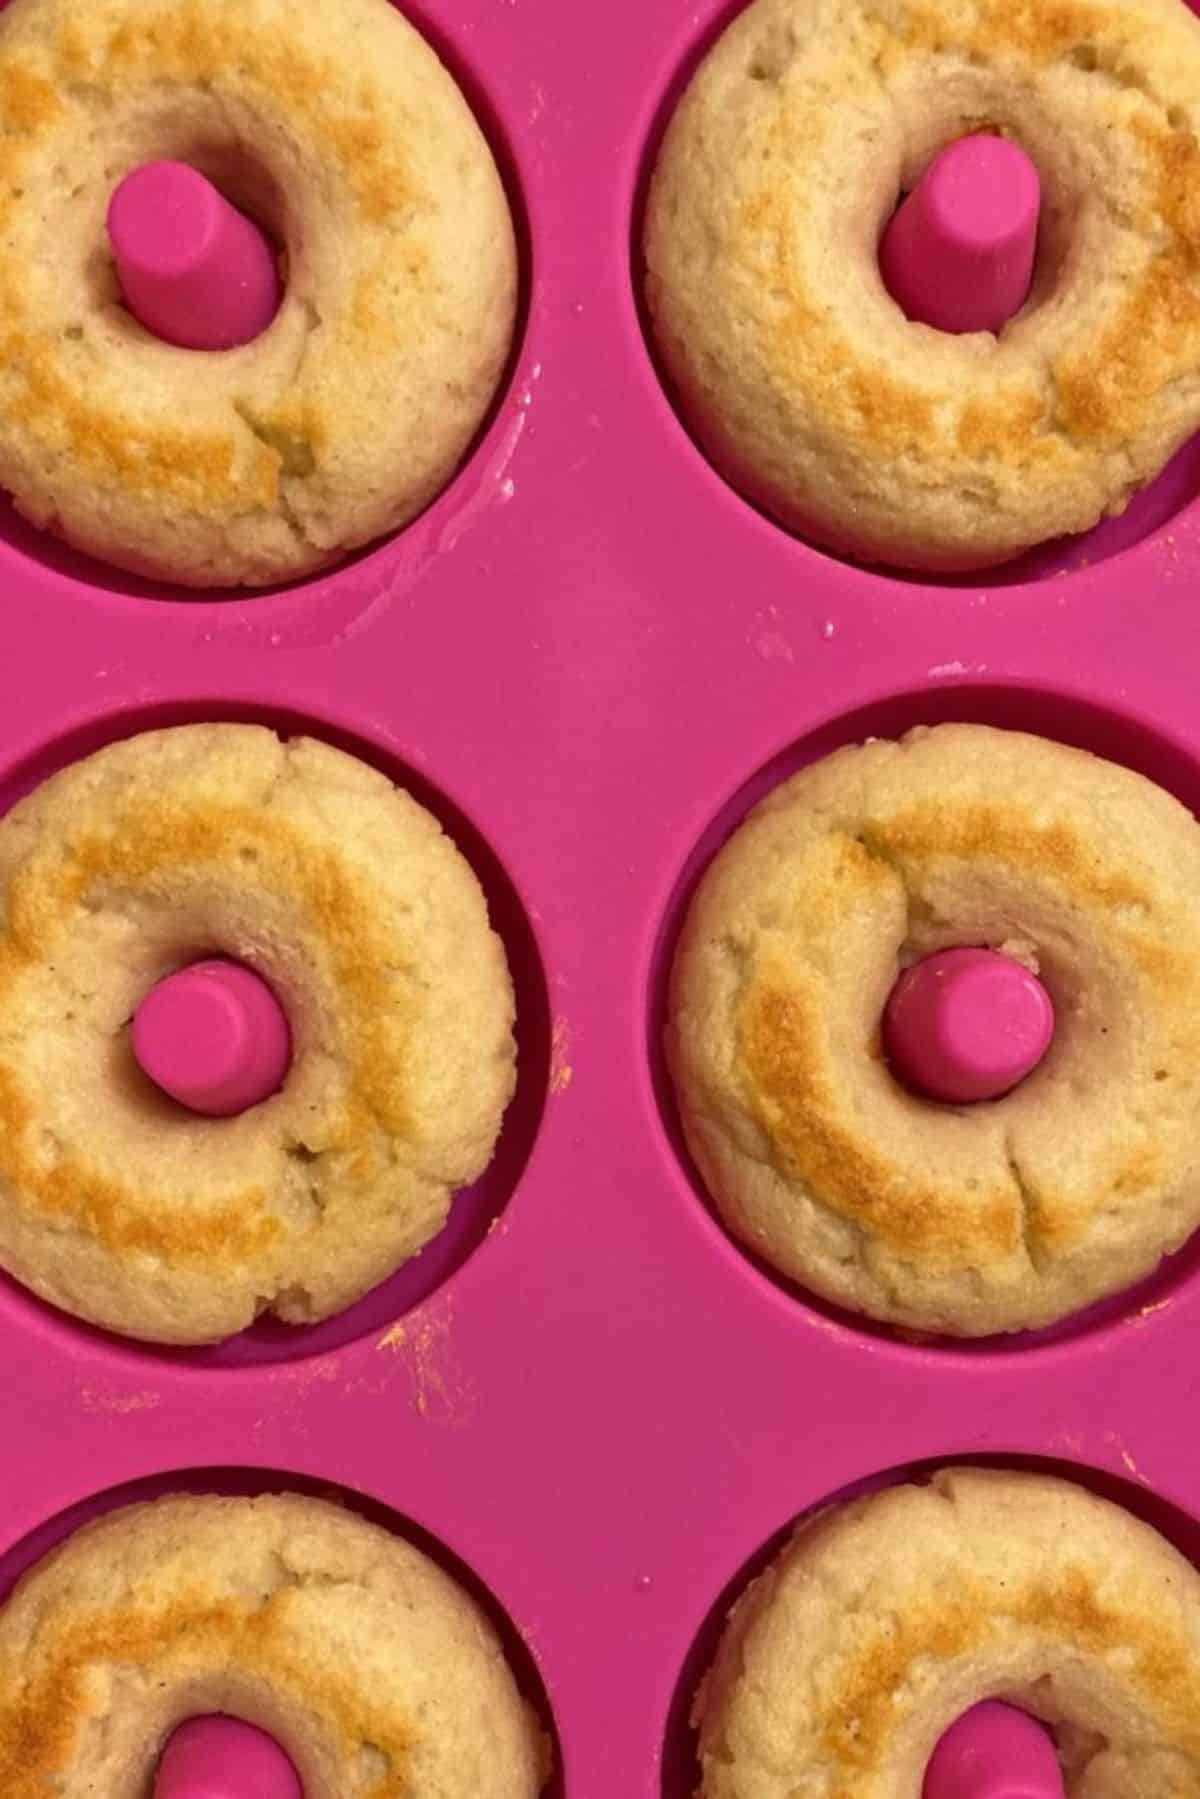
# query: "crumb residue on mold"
561,1071
442,1393
941,670
767,642
301,1376
1139,1317
818,1322
118,1405
1131,1467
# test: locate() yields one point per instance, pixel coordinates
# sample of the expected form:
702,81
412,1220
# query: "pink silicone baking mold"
590,657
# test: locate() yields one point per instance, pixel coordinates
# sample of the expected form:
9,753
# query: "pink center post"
966,1025
193,269
213,1037
994,1751
959,252
222,1758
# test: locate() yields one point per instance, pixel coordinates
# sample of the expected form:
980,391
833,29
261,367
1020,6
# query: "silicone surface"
994,1751
214,1037
222,1758
958,253
590,657
193,269
966,1024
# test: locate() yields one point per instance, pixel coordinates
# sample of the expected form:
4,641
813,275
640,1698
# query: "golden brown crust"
354,145
373,930
282,1606
781,1053
803,378
975,1219
134,852
887,1617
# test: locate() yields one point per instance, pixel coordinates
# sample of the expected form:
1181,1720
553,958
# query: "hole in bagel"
165,218
232,1753
241,176
213,1036
967,1023
1010,1739
958,252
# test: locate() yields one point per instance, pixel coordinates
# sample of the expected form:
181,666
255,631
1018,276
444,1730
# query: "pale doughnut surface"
312,868
338,128
888,1617
995,1217
375,1671
808,386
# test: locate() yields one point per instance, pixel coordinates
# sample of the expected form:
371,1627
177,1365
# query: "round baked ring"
888,1617
812,392
995,1217
343,134
311,868
373,1669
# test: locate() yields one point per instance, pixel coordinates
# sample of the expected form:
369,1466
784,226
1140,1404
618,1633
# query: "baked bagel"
885,439
886,1618
999,1216
339,130
311,868
373,1669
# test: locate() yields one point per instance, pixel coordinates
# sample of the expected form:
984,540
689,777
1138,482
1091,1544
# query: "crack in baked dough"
1032,1235
916,907
296,459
